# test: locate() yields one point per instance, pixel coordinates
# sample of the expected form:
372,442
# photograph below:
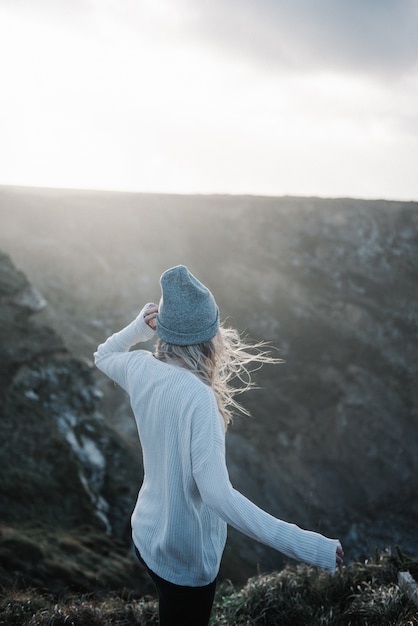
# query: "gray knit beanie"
187,313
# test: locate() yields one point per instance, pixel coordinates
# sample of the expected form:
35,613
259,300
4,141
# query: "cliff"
332,444
63,501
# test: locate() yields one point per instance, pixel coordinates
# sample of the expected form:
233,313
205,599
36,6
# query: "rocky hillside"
332,444
63,496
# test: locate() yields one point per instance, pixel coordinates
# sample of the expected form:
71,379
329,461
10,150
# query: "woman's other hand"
150,315
340,556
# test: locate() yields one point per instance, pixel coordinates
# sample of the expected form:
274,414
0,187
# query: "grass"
29,609
57,562
364,594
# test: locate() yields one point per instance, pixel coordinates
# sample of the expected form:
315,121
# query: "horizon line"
202,194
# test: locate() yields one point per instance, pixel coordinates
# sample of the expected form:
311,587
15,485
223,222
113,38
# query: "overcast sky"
266,97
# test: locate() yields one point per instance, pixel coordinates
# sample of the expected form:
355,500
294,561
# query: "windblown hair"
219,361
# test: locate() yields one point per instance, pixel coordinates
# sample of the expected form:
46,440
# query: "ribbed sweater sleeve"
212,479
106,357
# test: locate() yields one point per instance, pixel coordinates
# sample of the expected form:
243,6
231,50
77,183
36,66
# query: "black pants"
179,605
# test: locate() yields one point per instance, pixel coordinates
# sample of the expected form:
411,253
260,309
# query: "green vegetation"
82,561
363,594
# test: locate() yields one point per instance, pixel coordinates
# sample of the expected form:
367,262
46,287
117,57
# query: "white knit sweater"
186,500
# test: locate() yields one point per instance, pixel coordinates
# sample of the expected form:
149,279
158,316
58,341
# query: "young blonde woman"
182,402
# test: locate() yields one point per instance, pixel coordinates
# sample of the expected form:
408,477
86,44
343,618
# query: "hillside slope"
333,442
63,498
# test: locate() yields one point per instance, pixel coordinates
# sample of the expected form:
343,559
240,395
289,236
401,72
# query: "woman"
182,402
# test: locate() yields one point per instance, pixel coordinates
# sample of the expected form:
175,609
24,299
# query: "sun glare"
126,100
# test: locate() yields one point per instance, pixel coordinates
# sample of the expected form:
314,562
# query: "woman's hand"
150,314
340,556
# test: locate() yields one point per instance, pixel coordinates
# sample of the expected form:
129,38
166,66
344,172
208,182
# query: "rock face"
342,436
60,526
333,442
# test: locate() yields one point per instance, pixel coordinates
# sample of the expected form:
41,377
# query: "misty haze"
332,441
272,148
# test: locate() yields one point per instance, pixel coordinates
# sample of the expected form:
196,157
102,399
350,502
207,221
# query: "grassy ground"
363,594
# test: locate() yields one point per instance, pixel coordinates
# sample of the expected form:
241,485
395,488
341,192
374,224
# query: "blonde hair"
217,362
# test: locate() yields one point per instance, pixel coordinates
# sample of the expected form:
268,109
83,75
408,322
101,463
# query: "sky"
264,97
